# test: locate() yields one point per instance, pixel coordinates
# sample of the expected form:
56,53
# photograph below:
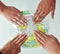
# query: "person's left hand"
48,42
13,47
44,8
14,15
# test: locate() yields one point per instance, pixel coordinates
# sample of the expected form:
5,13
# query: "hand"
13,47
44,8
48,42
12,14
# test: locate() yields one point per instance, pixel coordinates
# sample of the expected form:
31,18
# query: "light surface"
5,26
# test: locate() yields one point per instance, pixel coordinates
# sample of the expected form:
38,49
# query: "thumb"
52,14
53,9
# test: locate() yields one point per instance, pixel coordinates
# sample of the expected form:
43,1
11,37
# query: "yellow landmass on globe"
22,27
40,27
31,42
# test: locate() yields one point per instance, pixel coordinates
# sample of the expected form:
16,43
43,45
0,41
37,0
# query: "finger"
53,9
22,42
42,34
44,13
24,21
40,16
21,21
38,20
15,38
39,35
35,19
20,16
52,13
18,38
40,41
39,9
21,39
36,16
16,21
19,50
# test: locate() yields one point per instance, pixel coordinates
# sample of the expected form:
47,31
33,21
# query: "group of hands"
48,42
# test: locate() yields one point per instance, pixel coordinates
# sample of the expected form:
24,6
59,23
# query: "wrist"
57,51
2,6
2,51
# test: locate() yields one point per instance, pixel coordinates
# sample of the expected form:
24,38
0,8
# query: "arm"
13,46
43,9
2,6
48,42
13,14
0,52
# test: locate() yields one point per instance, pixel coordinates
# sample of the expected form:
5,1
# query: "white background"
5,25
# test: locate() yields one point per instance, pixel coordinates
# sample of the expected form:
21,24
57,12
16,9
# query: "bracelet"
0,52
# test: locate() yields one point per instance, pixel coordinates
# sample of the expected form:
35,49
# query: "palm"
44,8
14,15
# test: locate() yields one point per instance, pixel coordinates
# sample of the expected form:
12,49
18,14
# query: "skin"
48,42
12,14
43,9
13,46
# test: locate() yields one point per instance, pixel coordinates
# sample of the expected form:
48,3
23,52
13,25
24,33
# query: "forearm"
1,6
57,51
0,52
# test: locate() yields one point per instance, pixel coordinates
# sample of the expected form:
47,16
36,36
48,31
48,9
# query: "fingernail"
19,34
25,24
26,37
36,30
24,33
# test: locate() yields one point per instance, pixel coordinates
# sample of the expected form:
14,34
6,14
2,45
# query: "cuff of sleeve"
0,52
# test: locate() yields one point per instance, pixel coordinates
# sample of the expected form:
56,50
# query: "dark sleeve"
0,52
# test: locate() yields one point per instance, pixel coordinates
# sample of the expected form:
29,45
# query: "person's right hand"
13,14
44,8
13,47
48,42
